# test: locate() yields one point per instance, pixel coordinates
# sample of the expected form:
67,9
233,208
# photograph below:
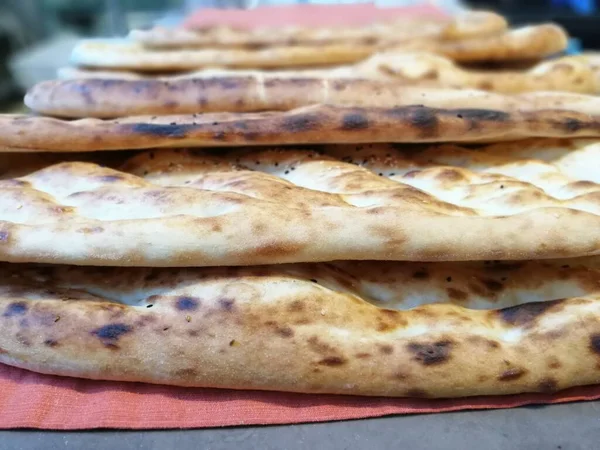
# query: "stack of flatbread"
310,234
473,50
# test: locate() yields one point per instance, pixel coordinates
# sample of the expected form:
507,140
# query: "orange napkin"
41,401
311,15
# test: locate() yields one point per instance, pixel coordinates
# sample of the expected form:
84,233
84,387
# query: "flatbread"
533,42
592,59
122,54
526,200
260,91
565,74
72,72
467,25
14,165
324,328
527,43
504,118
428,70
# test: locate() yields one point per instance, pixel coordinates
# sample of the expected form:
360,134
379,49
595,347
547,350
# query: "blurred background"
36,36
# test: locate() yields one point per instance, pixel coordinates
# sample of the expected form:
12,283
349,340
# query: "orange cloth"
41,401
312,15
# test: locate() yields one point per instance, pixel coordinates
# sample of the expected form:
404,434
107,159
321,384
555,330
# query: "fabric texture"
306,15
31,400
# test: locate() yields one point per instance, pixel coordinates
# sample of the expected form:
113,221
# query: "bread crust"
567,74
573,116
119,54
526,43
266,206
262,91
309,328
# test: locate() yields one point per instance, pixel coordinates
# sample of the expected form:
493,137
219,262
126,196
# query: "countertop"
570,426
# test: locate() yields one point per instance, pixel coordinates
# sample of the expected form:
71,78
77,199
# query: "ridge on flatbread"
524,200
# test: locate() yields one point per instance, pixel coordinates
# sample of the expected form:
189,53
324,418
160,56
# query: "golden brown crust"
262,91
592,59
532,42
467,25
422,69
191,208
541,115
118,54
311,328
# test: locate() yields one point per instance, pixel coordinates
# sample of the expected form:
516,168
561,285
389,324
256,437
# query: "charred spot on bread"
572,125
595,343
354,121
430,354
284,331
15,309
226,304
300,123
488,115
421,274
423,118
186,303
162,131
526,313
111,333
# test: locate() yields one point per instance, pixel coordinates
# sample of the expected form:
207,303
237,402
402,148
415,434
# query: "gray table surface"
571,426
